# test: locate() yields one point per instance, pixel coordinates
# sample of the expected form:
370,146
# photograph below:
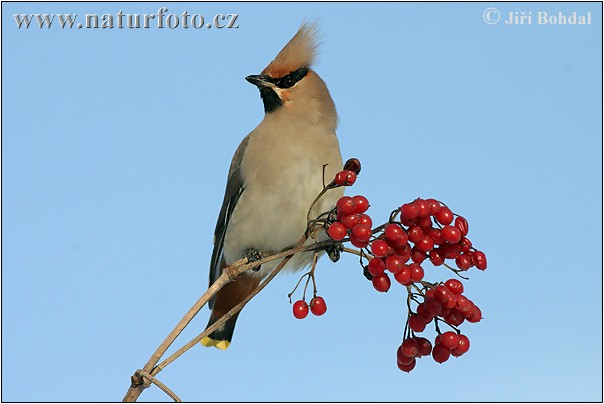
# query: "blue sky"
115,149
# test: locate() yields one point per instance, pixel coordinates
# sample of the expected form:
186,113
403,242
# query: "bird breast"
282,173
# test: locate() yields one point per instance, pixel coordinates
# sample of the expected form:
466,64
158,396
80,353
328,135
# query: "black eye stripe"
291,79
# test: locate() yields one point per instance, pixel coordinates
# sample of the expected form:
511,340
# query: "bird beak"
259,80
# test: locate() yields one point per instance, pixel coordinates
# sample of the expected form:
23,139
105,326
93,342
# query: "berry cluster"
424,229
417,232
317,306
352,221
441,303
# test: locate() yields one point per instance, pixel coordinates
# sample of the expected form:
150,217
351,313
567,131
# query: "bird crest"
299,52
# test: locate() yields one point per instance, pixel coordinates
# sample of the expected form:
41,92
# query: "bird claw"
333,251
254,255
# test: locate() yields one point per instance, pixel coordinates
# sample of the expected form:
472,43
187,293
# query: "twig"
323,191
222,319
160,385
229,273
137,386
355,252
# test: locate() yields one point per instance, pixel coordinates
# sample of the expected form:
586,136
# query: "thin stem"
312,274
353,251
312,205
416,288
222,319
229,273
306,286
436,325
296,287
237,308
159,384
457,272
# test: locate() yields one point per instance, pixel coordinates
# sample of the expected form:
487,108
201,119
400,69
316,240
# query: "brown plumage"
299,51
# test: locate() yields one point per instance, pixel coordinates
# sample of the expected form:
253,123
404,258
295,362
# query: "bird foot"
254,255
334,250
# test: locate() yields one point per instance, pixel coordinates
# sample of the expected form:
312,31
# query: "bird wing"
234,189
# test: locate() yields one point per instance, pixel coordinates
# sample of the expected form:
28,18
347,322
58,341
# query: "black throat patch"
270,98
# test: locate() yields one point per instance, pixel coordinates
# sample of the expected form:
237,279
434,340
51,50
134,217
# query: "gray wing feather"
234,189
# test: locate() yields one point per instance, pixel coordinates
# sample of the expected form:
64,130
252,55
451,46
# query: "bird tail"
228,297
221,338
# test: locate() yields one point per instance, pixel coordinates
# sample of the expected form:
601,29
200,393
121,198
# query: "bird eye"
289,82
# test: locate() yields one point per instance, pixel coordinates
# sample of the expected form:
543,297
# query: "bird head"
289,83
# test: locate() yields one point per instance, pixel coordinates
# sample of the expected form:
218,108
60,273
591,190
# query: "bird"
276,173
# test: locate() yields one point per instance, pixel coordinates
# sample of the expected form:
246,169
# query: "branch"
160,385
138,383
222,319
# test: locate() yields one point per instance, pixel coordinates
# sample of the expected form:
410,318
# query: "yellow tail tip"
220,344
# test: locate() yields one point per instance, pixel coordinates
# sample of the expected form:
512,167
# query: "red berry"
440,353
404,249
379,248
450,250
376,266
358,243
451,234
337,231
463,346
424,346
436,257
476,315
395,263
401,358
300,309
350,220
417,323
318,306
464,305
449,304
345,205
405,254
462,224
406,368
365,219
403,276
362,232
436,236
444,216
442,294
434,205
353,165
425,223
433,307
410,347
480,260
407,222
417,255
455,317
422,311
417,272
415,234
394,232
463,262
361,203
464,245
425,244
455,286
409,211
449,340
381,283
422,206
345,178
